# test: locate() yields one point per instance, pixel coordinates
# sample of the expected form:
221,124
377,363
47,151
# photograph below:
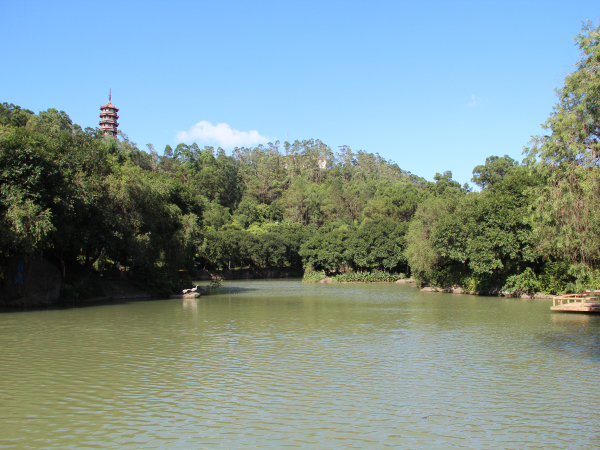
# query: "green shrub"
470,284
313,276
556,278
584,278
452,274
526,282
367,277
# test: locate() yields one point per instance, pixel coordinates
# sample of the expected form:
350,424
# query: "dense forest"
89,202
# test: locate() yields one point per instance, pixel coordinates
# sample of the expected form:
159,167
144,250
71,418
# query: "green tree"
52,122
271,250
421,253
397,202
14,115
565,217
30,187
493,171
216,216
487,236
327,250
445,186
379,244
294,236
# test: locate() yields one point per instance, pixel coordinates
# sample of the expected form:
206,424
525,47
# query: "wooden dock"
587,301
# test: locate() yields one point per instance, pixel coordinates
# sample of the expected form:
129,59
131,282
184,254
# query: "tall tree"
493,171
566,219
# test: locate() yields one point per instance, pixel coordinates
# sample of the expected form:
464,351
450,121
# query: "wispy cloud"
222,135
474,101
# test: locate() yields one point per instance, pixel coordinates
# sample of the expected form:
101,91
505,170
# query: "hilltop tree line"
87,201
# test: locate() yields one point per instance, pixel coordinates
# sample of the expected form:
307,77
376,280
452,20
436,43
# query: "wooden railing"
585,297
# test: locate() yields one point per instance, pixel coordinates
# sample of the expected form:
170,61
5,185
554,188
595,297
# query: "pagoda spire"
108,117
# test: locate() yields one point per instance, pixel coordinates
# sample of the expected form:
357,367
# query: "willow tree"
566,219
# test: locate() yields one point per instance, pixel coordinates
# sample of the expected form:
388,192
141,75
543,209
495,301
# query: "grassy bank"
354,277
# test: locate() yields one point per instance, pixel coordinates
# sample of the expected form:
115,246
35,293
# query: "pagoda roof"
109,105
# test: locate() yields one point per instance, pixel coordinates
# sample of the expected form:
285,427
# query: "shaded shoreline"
249,273
459,290
122,290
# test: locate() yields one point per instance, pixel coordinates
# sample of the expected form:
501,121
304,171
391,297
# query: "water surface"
271,364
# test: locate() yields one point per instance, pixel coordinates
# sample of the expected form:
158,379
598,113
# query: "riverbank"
459,290
377,276
110,290
331,280
42,286
249,273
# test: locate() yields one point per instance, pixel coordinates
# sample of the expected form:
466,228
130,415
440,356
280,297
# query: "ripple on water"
278,363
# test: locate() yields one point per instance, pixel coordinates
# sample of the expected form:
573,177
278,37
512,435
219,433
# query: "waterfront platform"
587,302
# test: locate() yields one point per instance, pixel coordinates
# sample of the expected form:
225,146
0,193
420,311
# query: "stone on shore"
430,289
188,295
326,281
537,296
406,280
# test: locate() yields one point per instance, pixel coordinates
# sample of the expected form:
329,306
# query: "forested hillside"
88,202
81,198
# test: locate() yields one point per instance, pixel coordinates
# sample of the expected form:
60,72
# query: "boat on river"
587,301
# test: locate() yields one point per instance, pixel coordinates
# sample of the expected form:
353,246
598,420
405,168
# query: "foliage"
313,276
79,197
160,282
376,276
585,278
397,202
487,232
565,219
14,115
327,250
378,244
493,171
423,257
215,283
556,277
526,282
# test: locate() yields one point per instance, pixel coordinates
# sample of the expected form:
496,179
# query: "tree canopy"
87,201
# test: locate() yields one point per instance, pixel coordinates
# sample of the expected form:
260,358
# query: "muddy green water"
271,364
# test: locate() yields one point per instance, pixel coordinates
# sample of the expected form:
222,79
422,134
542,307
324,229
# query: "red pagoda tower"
108,117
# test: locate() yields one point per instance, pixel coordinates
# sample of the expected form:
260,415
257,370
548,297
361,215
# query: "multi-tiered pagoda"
108,117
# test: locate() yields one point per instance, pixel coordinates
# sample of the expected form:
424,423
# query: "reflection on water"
277,363
191,305
230,290
575,333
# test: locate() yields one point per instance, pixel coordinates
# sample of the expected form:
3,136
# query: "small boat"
586,301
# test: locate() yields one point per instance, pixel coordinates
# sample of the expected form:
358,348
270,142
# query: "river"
275,363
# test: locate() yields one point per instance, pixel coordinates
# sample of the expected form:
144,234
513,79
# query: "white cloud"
474,101
222,135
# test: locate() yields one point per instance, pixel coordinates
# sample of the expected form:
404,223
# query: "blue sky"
432,85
